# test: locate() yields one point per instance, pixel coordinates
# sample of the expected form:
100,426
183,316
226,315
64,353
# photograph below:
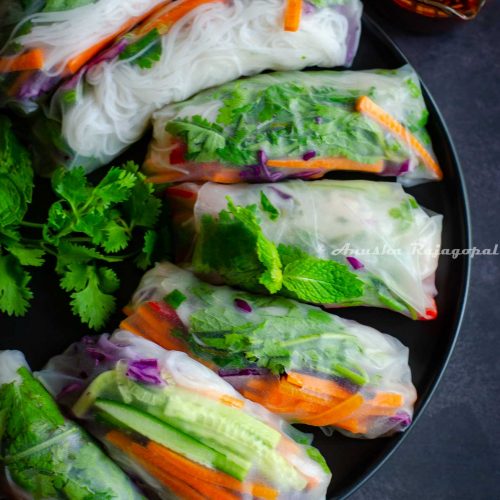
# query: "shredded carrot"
338,412
78,61
146,323
128,310
293,13
329,164
197,476
166,17
226,176
165,178
353,425
306,396
32,59
386,399
317,384
366,106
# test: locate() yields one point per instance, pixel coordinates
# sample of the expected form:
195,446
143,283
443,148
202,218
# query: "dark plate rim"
370,25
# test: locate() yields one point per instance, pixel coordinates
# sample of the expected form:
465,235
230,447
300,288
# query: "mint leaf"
268,207
319,281
234,246
15,294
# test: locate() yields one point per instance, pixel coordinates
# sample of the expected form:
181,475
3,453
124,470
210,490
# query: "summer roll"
297,125
52,39
298,361
183,48
43,455
333,243
179,427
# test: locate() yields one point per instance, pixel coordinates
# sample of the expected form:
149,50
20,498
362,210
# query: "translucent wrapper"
298,361
296,125
42,454
334,243
50,40
186,47
180,427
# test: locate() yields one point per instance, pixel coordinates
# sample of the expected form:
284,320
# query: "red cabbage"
309,155
243,305
355,263
146,371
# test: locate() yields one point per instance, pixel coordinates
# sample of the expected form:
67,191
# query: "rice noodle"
213,44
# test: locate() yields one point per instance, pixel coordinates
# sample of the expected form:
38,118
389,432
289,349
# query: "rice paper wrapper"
177,52
42,454
296,125
298,361
178,426
334,243
47,41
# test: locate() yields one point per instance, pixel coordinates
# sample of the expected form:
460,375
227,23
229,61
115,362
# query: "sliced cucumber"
215,420
171,438
99,387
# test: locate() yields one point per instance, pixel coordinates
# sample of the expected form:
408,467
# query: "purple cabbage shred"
146,371
355,263
243,305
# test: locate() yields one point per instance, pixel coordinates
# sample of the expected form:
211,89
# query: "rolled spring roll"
298,361
43,455
53,39
180,427
296,125
186,47
333,243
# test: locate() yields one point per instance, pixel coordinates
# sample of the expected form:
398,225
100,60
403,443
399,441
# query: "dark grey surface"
454,450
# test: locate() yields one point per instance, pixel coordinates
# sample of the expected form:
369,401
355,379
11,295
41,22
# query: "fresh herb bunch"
86,230
234,246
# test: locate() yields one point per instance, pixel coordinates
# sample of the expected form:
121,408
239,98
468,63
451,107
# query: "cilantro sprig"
88,229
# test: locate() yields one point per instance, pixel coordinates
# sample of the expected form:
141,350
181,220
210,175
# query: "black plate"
49,327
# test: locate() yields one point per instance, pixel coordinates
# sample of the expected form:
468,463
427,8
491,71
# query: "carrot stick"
172,463
226,176
328,164
306,397
366,106
386,399
317,384
353,425
150,325
78,61
293,13
166,17
165,178
338,412
32,59
139,453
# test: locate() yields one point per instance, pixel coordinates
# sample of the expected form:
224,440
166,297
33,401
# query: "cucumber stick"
165,435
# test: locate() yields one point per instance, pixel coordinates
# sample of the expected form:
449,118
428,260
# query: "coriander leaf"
268,207
71,253
74,278
71,185
14,292
93,303
203,138
116,237
144,259
319,281
145,51
115,187
25,255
